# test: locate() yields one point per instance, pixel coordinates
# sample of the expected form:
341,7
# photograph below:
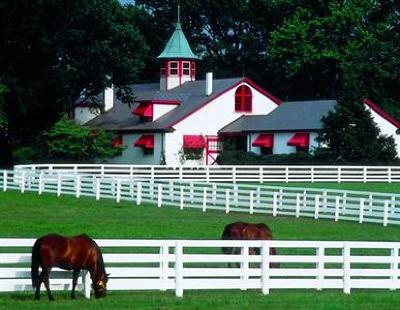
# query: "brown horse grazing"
247,231
75,253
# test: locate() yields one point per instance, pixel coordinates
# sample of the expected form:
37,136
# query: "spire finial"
179,14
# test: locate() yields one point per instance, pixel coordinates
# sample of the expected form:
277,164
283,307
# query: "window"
173,68
243,99
186,68
163,69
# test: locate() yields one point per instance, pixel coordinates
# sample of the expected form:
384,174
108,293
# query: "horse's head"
100,287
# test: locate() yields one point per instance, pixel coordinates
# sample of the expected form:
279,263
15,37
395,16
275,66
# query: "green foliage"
3,121
68,141
351,136
54,51
24,155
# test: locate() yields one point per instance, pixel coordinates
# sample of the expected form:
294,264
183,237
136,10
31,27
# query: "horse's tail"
35,261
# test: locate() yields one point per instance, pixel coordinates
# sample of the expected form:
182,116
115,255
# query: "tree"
3,121
71,142
54,51
350,135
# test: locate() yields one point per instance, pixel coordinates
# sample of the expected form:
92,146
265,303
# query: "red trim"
180,64
212,98
145,141
381,113
264,140
166,75
117,142
144,109
193,142
300,139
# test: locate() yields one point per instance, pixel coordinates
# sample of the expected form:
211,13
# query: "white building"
181,120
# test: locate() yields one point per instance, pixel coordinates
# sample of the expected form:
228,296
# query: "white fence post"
360,220
164,252
171,191
297,205
5,177
320,267
265,261
370,202
181,198
23,182
316,212
98,188
118,190
139,193
214,193
337,206
227,201
159,196
178,269
204,199
281,199
244,267
41,183
251,202
393,203
346,268
59,185
77,185
344,202
208,174
274,204
86,284
286,174
385,212
234,175
191,192
236,194
394,269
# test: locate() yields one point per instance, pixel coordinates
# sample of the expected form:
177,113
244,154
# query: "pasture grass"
29,215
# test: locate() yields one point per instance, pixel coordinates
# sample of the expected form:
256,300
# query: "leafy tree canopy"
51,51
74,143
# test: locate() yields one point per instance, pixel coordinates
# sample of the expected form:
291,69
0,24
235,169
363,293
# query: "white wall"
160,109
84,114
386,127
134,155
211,118
280,143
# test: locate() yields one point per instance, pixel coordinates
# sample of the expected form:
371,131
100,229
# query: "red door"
213,148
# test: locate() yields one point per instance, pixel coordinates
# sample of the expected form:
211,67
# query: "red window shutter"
117,142
300,139
193,142
145,141
264,140
144,109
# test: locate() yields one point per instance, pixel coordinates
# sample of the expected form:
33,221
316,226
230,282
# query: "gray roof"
289,116
191,94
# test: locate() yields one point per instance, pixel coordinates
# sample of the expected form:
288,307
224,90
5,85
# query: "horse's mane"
100,266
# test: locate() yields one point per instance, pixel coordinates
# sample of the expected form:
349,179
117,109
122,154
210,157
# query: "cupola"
177,60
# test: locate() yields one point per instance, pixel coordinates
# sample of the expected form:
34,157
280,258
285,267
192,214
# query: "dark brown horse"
247,231
70,253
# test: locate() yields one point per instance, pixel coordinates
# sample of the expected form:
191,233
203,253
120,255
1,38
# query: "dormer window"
173,68
243,99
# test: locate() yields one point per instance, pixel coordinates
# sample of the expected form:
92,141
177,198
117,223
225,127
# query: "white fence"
383,208
200,264
235,173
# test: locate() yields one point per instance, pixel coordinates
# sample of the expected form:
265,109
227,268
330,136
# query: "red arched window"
243,99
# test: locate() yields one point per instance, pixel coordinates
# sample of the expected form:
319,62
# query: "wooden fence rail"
200,264
293,173
383,208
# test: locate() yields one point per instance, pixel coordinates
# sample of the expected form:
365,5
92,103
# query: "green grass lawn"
30,215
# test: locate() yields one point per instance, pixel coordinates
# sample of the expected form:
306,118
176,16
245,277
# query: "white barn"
181,120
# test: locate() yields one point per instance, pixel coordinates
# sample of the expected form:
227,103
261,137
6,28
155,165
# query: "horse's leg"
45,279
37,288
75,276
